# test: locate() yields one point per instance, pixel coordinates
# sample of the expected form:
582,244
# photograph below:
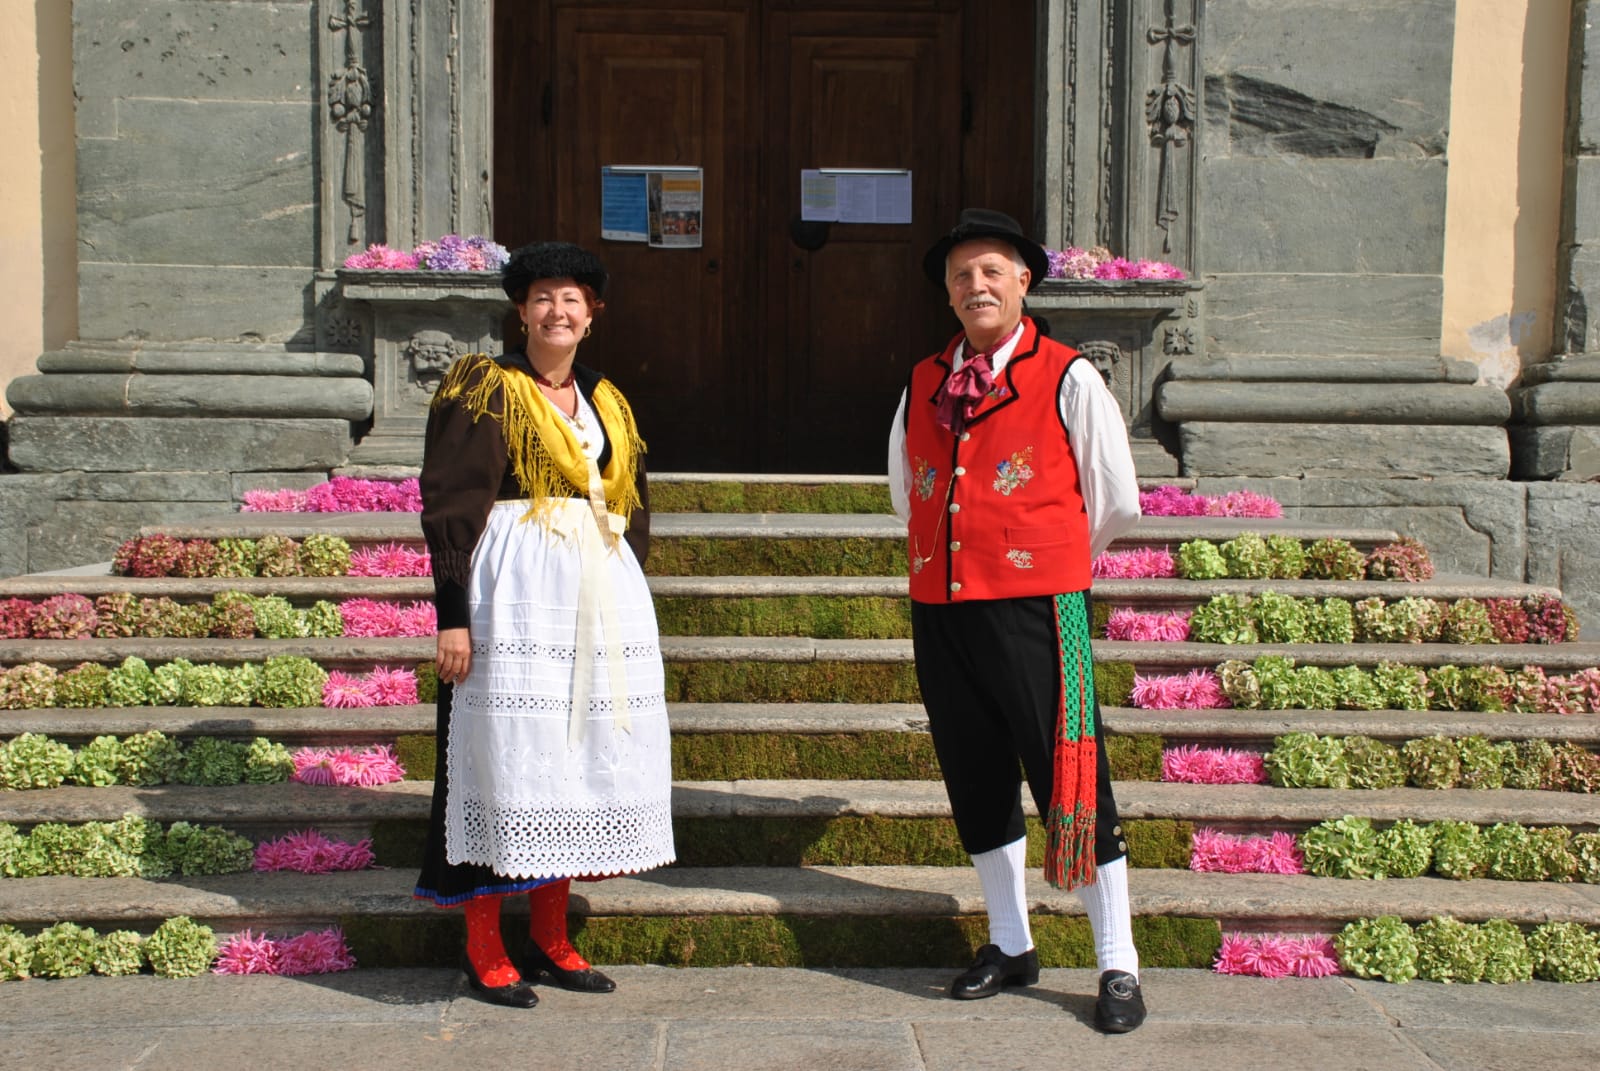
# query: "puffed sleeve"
464,462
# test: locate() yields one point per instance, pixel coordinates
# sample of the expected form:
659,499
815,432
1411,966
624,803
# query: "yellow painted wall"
38,243
1507,114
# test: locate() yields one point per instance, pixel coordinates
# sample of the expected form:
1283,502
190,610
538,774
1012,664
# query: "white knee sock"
1111,918
1001,872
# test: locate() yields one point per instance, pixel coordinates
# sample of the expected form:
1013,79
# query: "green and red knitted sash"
1070,824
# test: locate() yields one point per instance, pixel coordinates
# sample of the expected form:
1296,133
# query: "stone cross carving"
350,106
1170,109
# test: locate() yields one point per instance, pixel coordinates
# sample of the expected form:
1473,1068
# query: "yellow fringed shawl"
544,454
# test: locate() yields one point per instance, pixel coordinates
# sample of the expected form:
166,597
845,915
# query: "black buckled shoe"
992,970
1121,1005
518,994
535,962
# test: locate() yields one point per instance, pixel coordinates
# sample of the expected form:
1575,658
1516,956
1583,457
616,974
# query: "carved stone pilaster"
437,77
350,121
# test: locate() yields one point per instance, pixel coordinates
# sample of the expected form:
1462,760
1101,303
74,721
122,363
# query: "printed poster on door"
662,206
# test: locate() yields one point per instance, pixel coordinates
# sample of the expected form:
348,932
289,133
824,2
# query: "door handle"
712,267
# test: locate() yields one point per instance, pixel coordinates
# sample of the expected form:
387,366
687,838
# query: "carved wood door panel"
753,353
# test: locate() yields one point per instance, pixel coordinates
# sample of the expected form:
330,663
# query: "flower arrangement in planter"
364,768
1170,501
342,494
1216,852
450,253
1305,760
1097,262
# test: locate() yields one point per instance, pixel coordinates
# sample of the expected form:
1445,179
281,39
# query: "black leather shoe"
1121,1005
535,962
994,969
518,994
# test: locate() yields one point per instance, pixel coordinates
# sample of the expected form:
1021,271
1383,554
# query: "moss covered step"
1178,916
724,492
407,801
896,916
1180,594
300,590
822,607
336,652
1258,727
1170,657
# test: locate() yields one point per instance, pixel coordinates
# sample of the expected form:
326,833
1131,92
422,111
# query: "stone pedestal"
1557,412
421,322
1129,329
1360,416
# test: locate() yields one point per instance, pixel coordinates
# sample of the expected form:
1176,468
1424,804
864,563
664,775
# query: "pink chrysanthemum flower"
1202,690
1157,269
1280,854
378,765
1170,501
1243,504
389,560
345,691
245,953
311,766
418,619
280,501
1138,564
316,952
1236,955
1116,268
1127,623
392,687
1275,955
370,617
1212,766
1314,957
380,257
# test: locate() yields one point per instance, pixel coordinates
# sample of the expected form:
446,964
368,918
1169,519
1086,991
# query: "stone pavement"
756,1019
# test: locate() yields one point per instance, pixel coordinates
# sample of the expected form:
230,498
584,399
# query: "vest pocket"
1039,536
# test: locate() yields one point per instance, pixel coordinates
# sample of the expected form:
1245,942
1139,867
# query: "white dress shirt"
1095,431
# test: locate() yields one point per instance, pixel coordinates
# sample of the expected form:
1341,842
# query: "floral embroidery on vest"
1022,559
922,477
1014,471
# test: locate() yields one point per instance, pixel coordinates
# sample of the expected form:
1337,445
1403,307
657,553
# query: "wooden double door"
774,346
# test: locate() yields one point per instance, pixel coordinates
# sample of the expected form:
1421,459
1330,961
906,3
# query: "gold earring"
588,330
524,327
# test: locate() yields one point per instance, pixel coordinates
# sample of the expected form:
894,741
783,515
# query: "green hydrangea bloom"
243,680
181,948
1238,679
206,685
1384,947
1246,557
1484,762
83,686
1485,688
65,950
1371,623
209,760
1449,950
1564,952
197,850
1279,618
130,685
233,615
1335,559
1532,765
1552,851
119,952
290,681
1357,689
1342,848
1586,856
1286,557
150,758
1278,681
1458,850
267,763
1506,957
236,557
1373,763
1315,688
277,619
1304,760
1199,559
1508,853
277,555
1403,687
1467,621
1413,620
166,687
1406,849
98,763
1330,621
16,954
1447,689
324,555
1223,619
324,619
34,761
1432,762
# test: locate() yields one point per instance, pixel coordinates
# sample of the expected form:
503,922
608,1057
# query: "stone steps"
1261,807
281,902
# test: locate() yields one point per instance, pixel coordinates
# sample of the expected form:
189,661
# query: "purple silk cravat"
964,389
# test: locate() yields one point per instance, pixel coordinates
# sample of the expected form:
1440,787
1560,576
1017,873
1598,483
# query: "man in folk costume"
1009,462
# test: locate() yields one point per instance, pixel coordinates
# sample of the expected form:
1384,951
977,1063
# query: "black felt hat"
986,223
552,260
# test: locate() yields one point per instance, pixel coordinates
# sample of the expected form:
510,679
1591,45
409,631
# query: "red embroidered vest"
996,513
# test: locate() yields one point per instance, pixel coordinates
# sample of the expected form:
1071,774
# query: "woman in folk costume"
554,758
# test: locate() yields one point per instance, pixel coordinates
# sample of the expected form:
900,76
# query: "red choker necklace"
563,385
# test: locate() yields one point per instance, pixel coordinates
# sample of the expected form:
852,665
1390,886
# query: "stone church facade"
1293,157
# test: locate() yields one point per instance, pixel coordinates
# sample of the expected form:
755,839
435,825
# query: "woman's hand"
454,657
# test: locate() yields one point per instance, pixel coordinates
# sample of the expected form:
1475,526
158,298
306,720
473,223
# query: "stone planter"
421,322
1116,325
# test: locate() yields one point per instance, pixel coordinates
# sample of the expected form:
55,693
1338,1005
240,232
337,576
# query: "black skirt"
445,883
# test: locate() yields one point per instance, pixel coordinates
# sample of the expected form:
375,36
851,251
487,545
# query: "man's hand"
454,657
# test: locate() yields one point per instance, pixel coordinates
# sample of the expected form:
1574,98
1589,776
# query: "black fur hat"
987,223
552,260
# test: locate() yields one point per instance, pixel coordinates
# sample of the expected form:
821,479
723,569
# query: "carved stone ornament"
344,332
1180,341
1171,110
430,355
350,108
1105,355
